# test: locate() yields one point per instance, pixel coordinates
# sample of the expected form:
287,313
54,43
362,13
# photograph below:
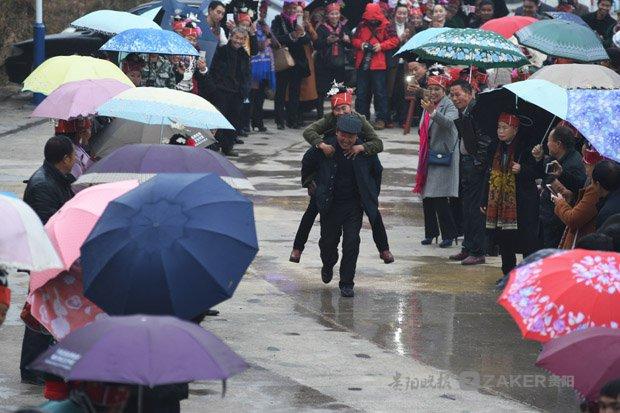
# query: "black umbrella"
535,122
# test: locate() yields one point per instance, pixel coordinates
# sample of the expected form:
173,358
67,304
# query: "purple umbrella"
143,161
140,349
590,356
80,98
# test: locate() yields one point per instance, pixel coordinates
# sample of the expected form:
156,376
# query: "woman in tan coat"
579,219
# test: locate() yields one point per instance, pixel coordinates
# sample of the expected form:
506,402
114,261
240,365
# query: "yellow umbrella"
62,69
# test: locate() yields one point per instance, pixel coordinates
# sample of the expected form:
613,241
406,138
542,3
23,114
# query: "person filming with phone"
562,166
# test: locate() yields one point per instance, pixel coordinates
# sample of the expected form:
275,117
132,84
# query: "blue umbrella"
560,15
150,41
420,38
112,22
595,114
178,244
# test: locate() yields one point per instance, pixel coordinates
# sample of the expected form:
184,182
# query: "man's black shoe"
231,153
346,292
327,274
242,132
239,141
281,126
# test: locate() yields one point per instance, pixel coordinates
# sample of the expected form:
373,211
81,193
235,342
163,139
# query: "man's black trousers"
230,106
342,219
379,235
471,197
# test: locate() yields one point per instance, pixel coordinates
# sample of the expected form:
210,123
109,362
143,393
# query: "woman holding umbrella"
510,194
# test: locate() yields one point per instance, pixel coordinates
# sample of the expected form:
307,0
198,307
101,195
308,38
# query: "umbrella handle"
140,397
548,129
223,388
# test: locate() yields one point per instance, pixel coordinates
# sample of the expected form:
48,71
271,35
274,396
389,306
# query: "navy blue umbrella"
177,245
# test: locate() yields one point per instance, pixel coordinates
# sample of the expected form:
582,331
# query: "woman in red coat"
373,37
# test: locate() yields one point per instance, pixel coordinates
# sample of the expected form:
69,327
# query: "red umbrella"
507,26
591,357
567,291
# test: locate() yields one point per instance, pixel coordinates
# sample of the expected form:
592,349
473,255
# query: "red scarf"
335,32
420,177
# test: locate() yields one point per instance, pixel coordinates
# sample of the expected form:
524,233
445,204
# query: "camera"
368,50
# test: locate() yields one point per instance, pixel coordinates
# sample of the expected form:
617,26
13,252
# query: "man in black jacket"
473,147
48,189
228,79
344,188
564,164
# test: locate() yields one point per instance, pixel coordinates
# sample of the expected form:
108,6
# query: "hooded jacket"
384,34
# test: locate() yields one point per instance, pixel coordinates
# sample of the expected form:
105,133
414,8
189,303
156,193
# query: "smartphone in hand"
551,190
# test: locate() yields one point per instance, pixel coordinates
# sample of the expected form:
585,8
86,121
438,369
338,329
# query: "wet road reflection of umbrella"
143,350
178,244
143,162
59,70
590,356
122,132
150,41
564,292
112,22
79,98
23,241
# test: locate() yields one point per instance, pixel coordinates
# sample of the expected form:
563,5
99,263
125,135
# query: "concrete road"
421,335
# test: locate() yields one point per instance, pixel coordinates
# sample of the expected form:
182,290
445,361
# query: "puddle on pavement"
445,316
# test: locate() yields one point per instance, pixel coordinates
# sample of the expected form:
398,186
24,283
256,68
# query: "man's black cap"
349,123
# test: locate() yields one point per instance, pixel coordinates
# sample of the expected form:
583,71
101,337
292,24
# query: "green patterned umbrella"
562,38
472,47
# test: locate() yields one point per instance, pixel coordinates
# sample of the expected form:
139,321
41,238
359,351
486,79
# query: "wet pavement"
413,329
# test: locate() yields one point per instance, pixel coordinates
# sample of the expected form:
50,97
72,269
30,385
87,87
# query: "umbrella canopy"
472,47
507,26
121,132
571,17
60,306
140,349
561,38
593,112
579,76
162,106
150,41
420,39
178,244
24,243
489,105
71,224
112,22
591,356
79,98
143,162
59,70
567,291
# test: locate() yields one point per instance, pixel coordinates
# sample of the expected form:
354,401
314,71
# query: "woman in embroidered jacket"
511,197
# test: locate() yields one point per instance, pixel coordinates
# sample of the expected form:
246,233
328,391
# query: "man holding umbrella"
344,188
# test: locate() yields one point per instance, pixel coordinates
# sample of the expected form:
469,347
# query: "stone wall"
17,17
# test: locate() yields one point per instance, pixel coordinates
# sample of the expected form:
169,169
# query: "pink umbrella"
69,227
80,98
60,306
591,357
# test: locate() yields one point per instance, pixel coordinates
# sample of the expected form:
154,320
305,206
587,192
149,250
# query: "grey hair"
239,30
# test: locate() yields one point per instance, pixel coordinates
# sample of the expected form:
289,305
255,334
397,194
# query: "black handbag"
441,158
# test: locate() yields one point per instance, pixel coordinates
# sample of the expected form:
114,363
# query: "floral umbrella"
567,291
472,47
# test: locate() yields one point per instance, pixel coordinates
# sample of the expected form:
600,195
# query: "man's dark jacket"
573,177
48,190
229,73
476,142
608,207
367,171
